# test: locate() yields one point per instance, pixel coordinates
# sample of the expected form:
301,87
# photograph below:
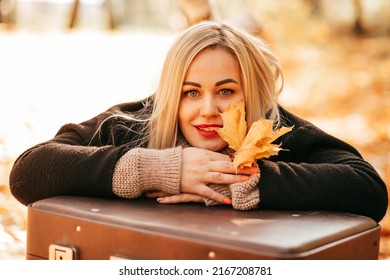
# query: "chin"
214,147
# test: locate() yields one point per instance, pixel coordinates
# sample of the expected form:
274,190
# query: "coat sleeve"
67,165
320,172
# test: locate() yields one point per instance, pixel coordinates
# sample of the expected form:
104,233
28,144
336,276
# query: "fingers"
202,167
207,192
226,179
215,156
249,170
180,198
228,167
202,192
189,197
223,172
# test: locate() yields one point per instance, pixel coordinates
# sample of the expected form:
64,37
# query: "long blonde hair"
261,77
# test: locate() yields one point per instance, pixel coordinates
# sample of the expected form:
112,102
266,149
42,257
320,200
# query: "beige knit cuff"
144,170
246,195
222,189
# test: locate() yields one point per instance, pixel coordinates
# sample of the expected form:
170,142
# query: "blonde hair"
261,77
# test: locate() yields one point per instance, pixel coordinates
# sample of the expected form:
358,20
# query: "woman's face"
212,82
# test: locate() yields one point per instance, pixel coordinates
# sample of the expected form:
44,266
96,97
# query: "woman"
166,146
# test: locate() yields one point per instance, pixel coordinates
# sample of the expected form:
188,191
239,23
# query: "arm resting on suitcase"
146,170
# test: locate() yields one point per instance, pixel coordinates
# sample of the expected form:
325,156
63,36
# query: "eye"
192,93
225,92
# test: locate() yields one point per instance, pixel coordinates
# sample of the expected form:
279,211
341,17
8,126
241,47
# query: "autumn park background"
65,61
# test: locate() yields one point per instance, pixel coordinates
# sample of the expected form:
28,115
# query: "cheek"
235,99
186,113
184,117
226,103
181,115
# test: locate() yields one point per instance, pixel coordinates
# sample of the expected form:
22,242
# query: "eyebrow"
185,83
225,81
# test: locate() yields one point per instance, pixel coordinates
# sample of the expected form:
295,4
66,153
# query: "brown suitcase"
90,228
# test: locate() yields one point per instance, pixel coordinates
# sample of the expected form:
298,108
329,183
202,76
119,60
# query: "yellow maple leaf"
235,129
256,144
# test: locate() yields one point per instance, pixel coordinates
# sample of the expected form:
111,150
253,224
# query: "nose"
209,106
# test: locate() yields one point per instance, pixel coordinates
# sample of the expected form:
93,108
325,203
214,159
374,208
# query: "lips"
207,130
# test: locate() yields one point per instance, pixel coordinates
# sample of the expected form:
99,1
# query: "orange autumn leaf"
234,129
256,144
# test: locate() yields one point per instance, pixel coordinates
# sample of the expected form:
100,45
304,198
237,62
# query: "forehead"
214,63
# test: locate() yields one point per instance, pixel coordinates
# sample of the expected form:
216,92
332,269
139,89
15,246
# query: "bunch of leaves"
256,144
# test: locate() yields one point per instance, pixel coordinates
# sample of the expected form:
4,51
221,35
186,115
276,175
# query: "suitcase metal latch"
59,252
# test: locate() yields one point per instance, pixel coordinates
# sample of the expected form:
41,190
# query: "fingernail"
160,199
254,169
227,200
244,178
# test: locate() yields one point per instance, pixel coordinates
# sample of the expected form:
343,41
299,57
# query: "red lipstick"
207,130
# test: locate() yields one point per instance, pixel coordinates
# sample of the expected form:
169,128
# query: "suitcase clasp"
59,252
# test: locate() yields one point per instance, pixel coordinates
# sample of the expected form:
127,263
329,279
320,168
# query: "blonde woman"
166,146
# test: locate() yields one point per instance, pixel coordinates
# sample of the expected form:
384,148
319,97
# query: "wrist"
141,170
246,195
160,170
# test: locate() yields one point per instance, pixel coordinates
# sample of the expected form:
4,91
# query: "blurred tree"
315,6
7,12
199,10
195,10
358,28
76,13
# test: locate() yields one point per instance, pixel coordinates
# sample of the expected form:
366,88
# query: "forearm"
52,169
146,170
348,187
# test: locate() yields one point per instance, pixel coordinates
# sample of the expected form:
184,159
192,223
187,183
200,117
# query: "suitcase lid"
276,232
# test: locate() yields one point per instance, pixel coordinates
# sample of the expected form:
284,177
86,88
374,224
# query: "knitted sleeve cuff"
142,170
246,195
222,189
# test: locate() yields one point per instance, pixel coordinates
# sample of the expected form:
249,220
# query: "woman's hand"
166,198
201,167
